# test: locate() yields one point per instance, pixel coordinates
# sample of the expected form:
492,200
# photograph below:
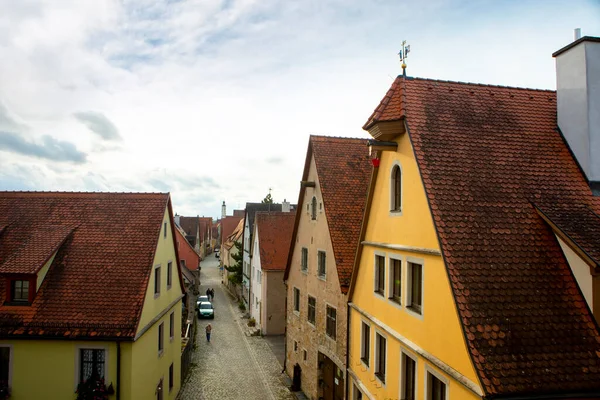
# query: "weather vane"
403,54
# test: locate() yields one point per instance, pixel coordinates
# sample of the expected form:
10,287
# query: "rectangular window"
91,364
165,234
322,267
380,274
172,325
297,300
331,326
409,384
156,281
171,377
295,346
304,264
20,291
380,353
169,274
161,333
4,366
357,394
415,293
436,389
305,355
365,348
312,309
159,390
395,280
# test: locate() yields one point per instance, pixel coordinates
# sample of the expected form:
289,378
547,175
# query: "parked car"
206,310
201,299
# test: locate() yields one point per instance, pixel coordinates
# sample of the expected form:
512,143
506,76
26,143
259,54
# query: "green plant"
251,322
94,389
242,306
236,271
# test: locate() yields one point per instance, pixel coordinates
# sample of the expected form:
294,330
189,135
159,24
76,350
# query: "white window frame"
169,274
327,305
313,324
390,285
407,297
362,342
430,371
302,269
322,277
296,305
157,290
396,213
161,352
171,326
376,275
78,349
412,356
376,356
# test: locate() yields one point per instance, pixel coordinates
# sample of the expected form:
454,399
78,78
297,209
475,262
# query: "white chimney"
577,34
176,218
285,206
578,103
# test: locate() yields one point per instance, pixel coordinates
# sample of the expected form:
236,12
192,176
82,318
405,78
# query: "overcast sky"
215,100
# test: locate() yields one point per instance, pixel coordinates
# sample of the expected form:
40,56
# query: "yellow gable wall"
43,271
48,369
437,331
147,366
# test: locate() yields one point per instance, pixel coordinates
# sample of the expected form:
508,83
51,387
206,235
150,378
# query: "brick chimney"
578,103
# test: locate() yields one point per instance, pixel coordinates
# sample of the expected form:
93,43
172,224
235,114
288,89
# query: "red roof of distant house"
97,282
228,225
344,173
274,236
488,157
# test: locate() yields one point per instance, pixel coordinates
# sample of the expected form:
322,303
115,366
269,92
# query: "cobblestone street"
232,365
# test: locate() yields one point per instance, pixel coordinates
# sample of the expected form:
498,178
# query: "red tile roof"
274,236
487,155
97,282
344,171
228,225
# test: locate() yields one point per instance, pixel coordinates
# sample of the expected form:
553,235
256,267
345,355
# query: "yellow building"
461,290
92,291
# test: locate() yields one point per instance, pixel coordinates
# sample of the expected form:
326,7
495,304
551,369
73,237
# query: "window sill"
322,277
314,326
296,313
417,312
171,339
395,303
380,377
156,295
304,271
330,338
365,362
379,294
169,287
395,213
161,353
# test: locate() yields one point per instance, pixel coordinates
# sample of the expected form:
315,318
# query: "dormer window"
396,189
313,211
20,291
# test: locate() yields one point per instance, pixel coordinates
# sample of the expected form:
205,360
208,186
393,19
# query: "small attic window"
313,214
19,291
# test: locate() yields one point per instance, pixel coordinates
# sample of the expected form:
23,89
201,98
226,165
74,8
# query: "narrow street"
232,365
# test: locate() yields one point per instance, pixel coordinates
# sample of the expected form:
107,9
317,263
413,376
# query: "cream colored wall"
42,272
314,235
48,369
437,330
147,366
165,252
581,270
273,309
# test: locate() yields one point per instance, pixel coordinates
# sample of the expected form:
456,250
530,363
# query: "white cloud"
214,100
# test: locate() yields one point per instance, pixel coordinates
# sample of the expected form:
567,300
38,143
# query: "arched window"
314,208
396,189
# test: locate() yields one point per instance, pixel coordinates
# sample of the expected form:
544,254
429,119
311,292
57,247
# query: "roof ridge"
75,193
345,138
477,84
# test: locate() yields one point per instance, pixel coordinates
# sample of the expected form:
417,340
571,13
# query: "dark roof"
344,171
252,208
575,43
274,236
97,282
487,155
190,226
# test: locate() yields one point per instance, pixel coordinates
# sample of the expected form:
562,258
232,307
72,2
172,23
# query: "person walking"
208,331
208,294
212,294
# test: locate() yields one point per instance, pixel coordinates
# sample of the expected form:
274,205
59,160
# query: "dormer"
28,257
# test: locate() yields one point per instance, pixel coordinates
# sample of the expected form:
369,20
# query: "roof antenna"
403,54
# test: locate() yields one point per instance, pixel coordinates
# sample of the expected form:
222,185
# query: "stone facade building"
327,226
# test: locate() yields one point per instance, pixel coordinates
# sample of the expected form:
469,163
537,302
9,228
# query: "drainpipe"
285,330
118,370
348,324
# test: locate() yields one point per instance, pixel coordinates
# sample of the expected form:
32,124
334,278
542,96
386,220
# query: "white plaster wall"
578,103
256,294
581,270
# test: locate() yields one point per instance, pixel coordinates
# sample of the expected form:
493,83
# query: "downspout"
118,370
285,330
348,325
